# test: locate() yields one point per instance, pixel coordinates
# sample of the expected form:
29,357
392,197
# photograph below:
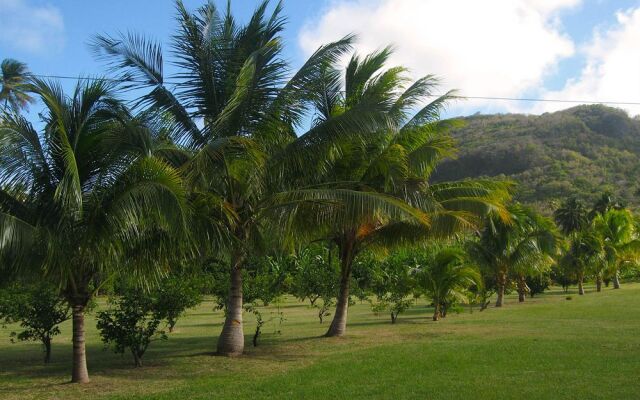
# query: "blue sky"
569,49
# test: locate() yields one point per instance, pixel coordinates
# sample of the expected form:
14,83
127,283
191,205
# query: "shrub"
132,323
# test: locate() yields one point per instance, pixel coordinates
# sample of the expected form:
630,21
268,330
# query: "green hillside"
581,151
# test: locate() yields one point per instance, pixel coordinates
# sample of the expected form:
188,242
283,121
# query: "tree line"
240,178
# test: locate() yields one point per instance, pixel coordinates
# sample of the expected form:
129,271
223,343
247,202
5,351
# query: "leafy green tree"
517,247
38,308
132,323
14,85
393,285
445,275
85,197
174,295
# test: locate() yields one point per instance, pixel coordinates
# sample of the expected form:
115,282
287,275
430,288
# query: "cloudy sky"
586,50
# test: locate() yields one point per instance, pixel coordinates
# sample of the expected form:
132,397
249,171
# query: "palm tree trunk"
436,310
616,281
79,372
502,282
522,291
580,284
339,323
598,284
231,340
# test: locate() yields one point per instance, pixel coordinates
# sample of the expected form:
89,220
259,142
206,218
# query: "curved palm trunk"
580,284
436,310
502,282
339,323
616,281
231,340
79,372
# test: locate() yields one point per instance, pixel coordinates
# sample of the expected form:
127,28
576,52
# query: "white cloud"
483,48
25,26
612,69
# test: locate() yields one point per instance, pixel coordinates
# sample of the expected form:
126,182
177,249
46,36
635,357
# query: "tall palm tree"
392,162
14,90
232,109
617,231
446,274
85,197
522,245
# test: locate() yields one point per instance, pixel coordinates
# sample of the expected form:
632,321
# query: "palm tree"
617,231
522,245
235,114
14,91
393,163
571,216
446,274
85,197
585,251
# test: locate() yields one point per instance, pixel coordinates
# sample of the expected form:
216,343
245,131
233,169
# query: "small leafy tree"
315,277
132,323
38,308
537,284
175,295
393,285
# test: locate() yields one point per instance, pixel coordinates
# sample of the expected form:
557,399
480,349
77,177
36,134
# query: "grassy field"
548,348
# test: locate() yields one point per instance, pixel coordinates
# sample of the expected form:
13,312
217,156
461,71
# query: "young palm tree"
14,92
522,245
392,162
446,274
85,197
618,233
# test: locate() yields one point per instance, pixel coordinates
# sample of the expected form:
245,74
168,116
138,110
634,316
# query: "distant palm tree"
585,252
445,274
521,246
85,197
617,230
14,90
571,216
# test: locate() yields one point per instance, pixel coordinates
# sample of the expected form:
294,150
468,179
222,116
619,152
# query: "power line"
494,98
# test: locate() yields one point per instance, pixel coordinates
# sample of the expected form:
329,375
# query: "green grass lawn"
547,348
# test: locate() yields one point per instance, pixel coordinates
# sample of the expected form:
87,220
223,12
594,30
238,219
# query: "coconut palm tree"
85,197
393,162
234,109
446,274
14,90
522,245
617,231
585,251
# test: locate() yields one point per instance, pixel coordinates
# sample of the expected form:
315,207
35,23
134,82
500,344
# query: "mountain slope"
581,151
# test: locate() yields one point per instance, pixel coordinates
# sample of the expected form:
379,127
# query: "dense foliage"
581,152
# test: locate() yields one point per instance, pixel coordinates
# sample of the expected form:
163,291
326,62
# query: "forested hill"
581,151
